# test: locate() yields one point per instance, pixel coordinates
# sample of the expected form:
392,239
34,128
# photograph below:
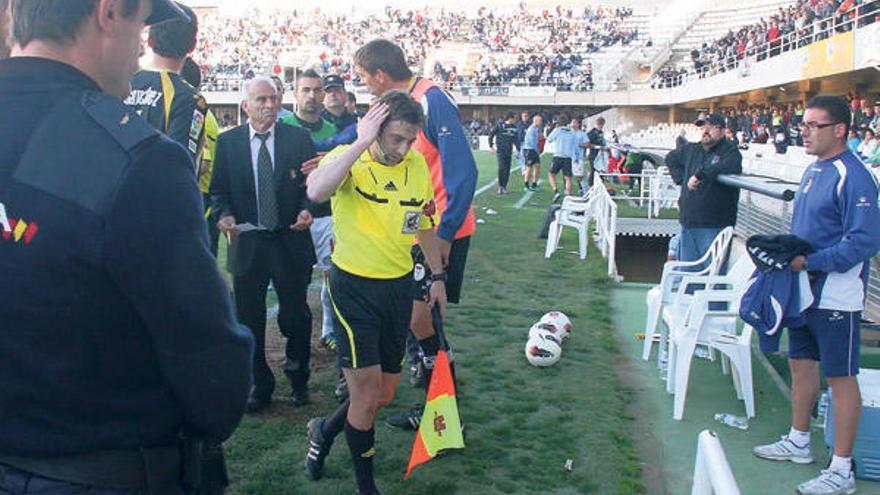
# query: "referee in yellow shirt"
382,199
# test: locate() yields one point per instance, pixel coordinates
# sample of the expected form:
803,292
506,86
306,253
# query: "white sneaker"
829,482
784,450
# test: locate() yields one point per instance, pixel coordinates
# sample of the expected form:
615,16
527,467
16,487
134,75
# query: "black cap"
711,119
166,10
333,81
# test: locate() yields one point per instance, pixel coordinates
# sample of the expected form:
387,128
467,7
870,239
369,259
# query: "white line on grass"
493,182
522,201
486,187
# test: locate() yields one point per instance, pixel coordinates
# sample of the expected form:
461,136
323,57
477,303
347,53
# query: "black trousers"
291,282
211,220
592,171
503,166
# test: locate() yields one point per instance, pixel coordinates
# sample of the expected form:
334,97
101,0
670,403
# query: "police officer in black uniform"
161,95
596,136
503,138
4,27
117,335
335,98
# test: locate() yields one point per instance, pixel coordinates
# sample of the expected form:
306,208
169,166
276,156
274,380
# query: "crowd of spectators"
863,139
782,125
522,46
668,77
798,25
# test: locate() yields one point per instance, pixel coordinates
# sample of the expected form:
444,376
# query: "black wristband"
439,277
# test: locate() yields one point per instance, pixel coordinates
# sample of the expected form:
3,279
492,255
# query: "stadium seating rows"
550,46
758,32
570,49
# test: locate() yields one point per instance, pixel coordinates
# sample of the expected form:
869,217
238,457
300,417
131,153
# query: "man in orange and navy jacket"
382,66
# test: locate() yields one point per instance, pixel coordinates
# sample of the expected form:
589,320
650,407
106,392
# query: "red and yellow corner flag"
440,428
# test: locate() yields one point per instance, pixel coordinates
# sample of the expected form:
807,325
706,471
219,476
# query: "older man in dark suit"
259,195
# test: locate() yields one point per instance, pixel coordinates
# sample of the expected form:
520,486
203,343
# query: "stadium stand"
559,46
761,30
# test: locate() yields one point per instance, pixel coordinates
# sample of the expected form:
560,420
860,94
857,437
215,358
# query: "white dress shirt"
255,157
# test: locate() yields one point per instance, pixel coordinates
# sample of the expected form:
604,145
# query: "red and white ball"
542,352
545,331
558,320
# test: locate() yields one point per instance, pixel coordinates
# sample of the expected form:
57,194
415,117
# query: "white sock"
841,464
326,311
799,438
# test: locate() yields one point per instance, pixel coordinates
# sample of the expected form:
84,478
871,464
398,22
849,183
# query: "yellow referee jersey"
212,129
377,212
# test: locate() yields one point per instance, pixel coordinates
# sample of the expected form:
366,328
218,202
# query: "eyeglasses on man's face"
813,126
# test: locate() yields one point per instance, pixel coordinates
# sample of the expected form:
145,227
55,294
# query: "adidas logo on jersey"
390,186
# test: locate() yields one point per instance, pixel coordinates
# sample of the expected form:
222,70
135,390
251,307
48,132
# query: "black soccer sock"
360,443
430,347
335,422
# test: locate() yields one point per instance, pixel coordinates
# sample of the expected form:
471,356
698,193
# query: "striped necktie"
268,202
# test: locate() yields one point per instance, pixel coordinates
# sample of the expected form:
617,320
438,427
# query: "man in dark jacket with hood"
705,205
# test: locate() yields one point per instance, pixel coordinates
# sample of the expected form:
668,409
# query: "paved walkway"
671,445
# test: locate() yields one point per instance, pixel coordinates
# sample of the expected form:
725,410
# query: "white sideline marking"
494,182
485,188
522,201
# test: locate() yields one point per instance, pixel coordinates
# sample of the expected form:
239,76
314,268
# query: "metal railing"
656,189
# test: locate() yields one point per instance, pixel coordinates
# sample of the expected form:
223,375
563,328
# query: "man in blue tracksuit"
836,213
564,138
531,155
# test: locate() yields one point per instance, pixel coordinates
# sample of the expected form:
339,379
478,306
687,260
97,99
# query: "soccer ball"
541,352
558,320
544,331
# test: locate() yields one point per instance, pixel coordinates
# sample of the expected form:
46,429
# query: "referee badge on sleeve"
195,127
419,272
411,220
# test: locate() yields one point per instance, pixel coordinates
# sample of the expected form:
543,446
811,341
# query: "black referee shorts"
370,318
532,157
561,164
454,272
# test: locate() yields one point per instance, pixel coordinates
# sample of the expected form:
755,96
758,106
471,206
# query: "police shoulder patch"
117,119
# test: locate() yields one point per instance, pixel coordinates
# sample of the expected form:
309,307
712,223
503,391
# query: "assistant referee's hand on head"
370,125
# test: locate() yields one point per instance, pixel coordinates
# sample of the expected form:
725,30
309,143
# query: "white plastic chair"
662,295
704,326
736,278
575,212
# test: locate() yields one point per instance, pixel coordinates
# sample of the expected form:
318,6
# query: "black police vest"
89,179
